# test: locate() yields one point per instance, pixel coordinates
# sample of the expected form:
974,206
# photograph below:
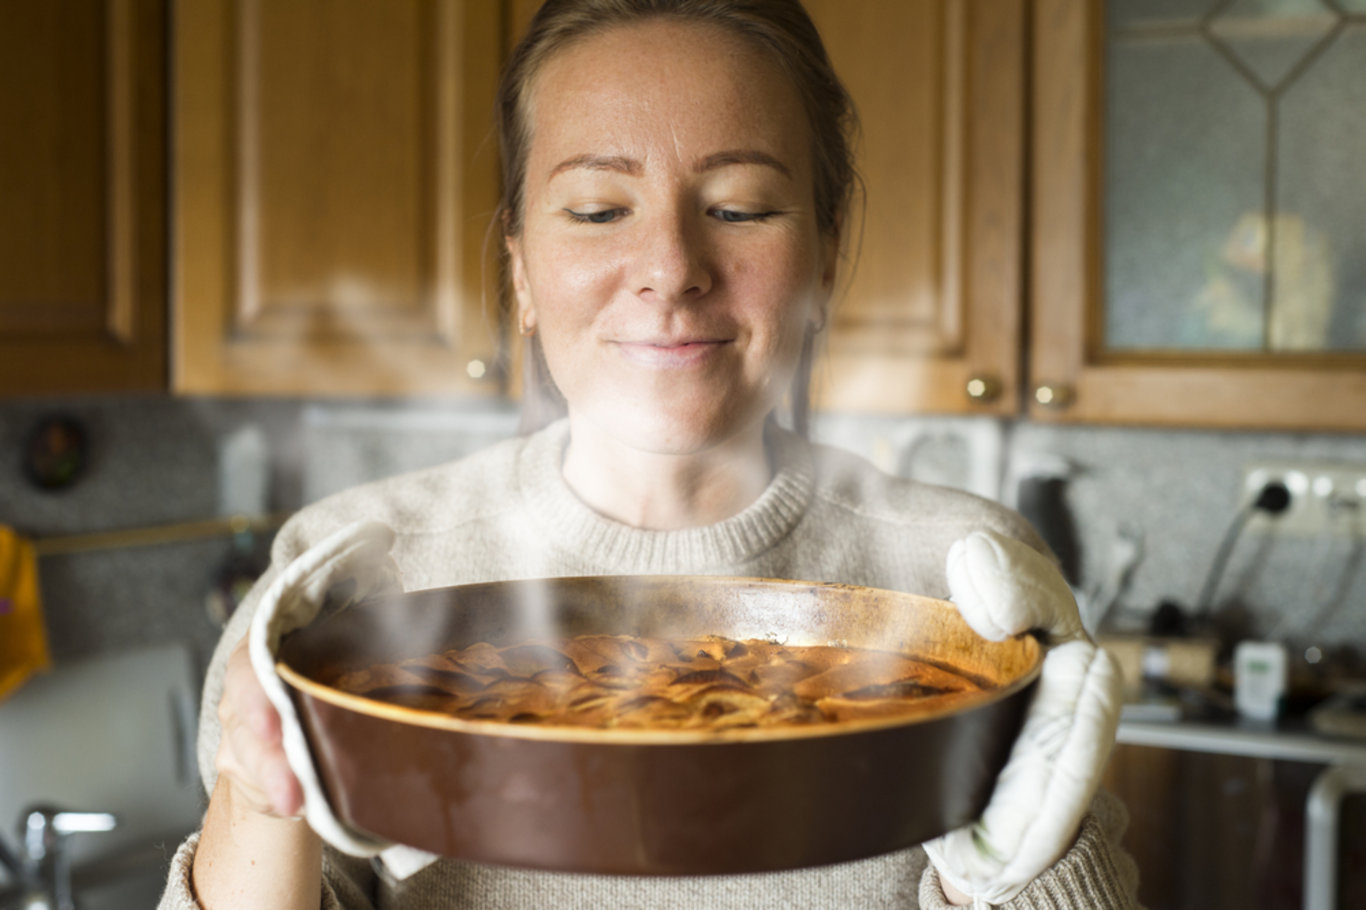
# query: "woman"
677,177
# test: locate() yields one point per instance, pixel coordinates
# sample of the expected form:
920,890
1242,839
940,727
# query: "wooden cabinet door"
82,247
519,17
335,177
928,316
1075,374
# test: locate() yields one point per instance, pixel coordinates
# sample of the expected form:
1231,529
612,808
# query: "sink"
112,733
132,881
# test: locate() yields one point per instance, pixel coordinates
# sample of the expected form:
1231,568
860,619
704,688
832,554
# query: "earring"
526,327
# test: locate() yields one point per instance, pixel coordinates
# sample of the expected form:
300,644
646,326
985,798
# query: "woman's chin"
658,429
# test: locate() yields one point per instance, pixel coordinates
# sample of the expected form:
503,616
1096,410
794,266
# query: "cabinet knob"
983,388
1053,396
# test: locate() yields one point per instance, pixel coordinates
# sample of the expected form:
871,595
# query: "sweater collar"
615,548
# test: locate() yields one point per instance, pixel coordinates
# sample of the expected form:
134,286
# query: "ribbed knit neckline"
616,548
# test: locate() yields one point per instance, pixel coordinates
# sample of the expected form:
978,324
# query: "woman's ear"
830,253
521,289
830,250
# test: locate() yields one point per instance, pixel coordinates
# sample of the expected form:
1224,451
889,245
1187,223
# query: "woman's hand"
251,852
251,755
1003,587
267,742
255,850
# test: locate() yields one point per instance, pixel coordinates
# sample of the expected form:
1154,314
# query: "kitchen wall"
156,460
152,461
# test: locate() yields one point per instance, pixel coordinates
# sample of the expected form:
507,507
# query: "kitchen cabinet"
929,316
82,179
1195,233
335,176
1183,249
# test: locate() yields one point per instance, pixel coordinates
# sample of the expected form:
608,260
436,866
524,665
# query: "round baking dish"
655,802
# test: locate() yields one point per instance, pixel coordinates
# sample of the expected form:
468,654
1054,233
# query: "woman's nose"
673,263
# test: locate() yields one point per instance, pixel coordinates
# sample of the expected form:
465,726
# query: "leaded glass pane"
1235,189
1319,291
1272,37
1185,155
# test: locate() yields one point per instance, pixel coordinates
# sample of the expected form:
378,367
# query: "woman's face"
670,259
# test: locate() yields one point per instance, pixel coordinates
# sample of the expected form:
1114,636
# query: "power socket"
1325,498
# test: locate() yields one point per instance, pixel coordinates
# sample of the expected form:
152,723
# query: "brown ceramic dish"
655,801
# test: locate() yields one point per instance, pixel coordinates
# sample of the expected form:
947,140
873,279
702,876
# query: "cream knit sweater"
507,513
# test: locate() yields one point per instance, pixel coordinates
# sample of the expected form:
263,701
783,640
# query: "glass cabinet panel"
1234,185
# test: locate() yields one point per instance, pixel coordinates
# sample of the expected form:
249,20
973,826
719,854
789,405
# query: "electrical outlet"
1325,498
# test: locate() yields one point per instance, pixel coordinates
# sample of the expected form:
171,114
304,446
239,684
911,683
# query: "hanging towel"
23,637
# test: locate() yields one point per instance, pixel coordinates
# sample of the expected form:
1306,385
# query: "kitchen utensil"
654,802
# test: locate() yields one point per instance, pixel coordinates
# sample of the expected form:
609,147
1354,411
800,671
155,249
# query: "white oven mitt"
1004,587
351,564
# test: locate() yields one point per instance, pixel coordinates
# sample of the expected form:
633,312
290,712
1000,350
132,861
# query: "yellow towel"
23,638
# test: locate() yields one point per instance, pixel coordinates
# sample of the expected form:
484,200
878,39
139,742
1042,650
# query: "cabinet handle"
1053,396
984,388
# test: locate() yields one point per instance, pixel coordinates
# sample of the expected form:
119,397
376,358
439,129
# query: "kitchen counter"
1290,740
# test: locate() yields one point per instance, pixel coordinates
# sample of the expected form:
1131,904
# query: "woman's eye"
606,216
731,216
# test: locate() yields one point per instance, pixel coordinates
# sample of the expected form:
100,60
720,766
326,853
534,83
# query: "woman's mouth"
671,354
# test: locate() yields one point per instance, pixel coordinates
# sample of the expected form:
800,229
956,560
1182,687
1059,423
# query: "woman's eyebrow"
743,156
634,168
600,163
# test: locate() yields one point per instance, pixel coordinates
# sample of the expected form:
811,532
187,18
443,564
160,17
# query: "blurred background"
1108,266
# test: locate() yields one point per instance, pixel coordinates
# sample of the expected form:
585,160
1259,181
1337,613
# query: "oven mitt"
1004,587
349,565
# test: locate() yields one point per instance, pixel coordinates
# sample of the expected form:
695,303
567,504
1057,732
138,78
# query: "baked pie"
629,682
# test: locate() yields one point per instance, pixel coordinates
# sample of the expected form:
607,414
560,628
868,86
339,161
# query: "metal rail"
157,535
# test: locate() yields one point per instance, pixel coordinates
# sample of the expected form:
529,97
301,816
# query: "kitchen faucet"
41,869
